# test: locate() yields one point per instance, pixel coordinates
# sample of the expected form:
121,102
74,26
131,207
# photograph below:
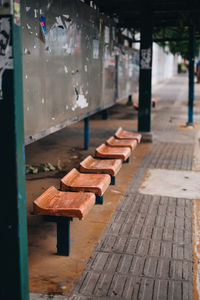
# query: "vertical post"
13,221
63,236
105,114
191,75
116,75
144,115
86,133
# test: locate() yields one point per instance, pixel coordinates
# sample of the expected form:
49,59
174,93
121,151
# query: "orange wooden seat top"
67,204
113,152
123,134
113,142
95,183
106,166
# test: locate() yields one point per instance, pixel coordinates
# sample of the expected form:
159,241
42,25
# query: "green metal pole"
191,74
13,221
144,114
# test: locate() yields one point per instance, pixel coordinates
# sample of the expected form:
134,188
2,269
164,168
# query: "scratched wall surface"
69,61
128,71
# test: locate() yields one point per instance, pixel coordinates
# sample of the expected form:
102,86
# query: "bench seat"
62,207
66,204
95,183
92,165
105,151
125,135
113,142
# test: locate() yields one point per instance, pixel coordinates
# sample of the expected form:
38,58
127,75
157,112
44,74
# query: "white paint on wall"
164,64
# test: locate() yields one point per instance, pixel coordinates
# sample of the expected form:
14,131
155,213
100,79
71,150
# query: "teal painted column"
13,220
144,114
191,75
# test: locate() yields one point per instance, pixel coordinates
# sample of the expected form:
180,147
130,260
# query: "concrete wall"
164,64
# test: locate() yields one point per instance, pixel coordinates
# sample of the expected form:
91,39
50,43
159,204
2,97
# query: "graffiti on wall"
146,55
6,59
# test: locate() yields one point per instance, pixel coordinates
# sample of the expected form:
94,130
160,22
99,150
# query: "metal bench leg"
63,236
86,133
112,180
127,161
99,199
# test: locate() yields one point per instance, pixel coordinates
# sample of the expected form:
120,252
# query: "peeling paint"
42,100
27,8
35,13
81,101
28,26
85,67
66,70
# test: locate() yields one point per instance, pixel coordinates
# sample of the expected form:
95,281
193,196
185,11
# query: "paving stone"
137,265
89,283
124,264
160,290
103,284
157,233
112,262
117,286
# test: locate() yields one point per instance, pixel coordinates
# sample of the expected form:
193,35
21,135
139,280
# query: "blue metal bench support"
99,199
112,180
63,233
126,161
86,133
63,236
191,75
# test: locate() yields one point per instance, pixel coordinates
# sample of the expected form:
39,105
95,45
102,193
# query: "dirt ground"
49,273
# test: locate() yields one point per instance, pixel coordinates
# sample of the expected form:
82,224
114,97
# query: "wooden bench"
101,166
113,142
62,207
126,135
95,183
104,151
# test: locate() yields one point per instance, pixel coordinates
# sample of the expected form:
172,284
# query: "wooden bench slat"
113,142
66,204
123,134
113,152
92,165
95,183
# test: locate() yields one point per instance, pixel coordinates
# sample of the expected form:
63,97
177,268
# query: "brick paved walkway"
146,250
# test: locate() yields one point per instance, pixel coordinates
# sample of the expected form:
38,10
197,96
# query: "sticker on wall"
95,49
107,35
6,58
145,62
17,12
43,27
